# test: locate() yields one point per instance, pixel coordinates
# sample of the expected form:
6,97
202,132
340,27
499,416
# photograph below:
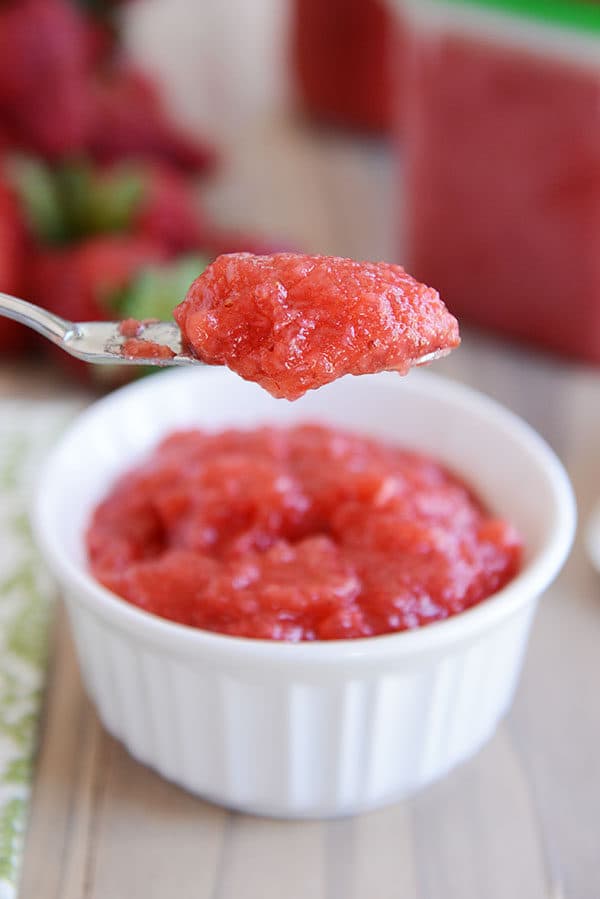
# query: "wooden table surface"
519,821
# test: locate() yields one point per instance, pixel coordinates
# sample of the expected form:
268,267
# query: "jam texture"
308,533
293,323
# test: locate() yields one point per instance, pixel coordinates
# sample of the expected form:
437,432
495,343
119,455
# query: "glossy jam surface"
306,533
130,327
293,323
138,348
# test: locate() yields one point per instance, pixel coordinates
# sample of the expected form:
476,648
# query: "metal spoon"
98,342
103,342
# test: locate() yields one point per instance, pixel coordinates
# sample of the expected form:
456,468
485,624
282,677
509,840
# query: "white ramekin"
309,730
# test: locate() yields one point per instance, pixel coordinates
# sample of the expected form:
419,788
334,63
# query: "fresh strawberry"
102,42
95,202
130,121
104,32
37,190
168,211
76,201
137,198
84,283
13,337
44,83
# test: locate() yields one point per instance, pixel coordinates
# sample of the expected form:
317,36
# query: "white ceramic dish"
308,730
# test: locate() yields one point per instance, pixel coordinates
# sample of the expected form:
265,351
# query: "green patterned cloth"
26,431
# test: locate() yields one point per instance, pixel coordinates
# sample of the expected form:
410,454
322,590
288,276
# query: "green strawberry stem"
40,198
156,290
72,201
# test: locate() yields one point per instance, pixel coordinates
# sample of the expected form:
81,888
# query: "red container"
341,65
502,137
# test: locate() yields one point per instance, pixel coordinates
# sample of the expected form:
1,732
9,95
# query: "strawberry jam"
293,323
303,534
138,348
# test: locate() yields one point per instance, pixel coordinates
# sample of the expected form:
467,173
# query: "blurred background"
140,139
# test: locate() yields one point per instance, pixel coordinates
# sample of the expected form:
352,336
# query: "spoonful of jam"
293,323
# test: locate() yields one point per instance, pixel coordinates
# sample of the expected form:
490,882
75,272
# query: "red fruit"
43,76
103,27
13,337
293,323
101,41
169,213
80,284
77,201
130,121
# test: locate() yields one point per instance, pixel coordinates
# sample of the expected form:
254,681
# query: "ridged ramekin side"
291,747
